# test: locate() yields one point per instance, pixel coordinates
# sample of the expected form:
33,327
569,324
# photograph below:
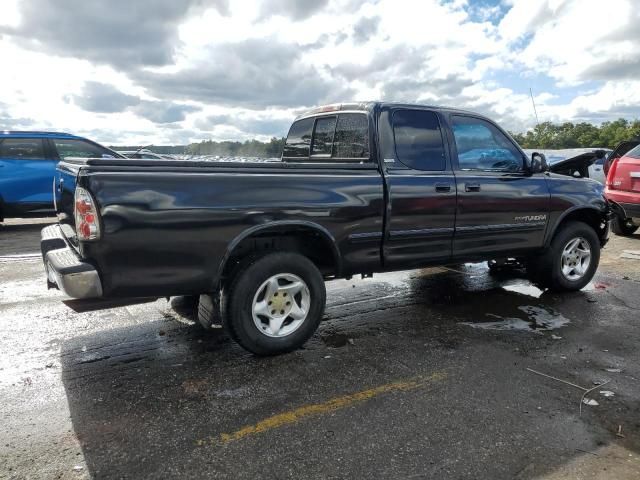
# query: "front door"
421,188
502,208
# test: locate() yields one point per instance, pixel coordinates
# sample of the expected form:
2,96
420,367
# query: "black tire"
546,269
246,285
623,226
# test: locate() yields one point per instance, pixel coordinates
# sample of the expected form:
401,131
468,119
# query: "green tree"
548,135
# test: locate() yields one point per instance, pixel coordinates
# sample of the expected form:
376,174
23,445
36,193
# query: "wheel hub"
281,305
576,258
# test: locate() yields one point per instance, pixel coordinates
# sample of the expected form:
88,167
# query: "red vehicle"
623,187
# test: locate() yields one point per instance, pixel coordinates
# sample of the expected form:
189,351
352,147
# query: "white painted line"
24,257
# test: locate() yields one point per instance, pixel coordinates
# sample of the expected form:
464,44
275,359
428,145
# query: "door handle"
443,187
471,187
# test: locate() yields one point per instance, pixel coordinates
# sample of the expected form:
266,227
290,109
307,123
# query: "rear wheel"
275,303
571,260
623,226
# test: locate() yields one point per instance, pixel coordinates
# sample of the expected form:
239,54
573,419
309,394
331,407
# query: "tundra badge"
531,218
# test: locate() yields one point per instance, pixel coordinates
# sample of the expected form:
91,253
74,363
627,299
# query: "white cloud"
254,64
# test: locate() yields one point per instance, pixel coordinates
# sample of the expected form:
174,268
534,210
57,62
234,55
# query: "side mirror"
538,163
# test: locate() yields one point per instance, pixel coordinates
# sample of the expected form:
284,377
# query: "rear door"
421,186
26,175
502,209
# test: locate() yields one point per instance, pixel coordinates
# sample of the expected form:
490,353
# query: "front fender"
583,213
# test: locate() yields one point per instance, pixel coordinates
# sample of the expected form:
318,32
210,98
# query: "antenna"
534,106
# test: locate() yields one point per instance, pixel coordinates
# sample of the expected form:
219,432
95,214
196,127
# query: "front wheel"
623,226
275,303
571,260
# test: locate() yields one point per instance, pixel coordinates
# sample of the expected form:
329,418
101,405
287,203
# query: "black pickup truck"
360,188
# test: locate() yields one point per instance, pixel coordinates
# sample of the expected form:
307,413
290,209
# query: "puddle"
537,320
524,289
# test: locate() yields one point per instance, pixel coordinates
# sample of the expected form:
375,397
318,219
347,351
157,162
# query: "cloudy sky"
176,71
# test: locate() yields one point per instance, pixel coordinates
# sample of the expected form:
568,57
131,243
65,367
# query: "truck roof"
370,106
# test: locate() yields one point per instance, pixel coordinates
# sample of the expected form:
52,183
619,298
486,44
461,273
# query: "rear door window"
482,146
299,139
22,148
418,139
79,148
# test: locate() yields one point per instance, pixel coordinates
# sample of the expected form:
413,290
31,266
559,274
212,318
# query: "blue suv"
28,164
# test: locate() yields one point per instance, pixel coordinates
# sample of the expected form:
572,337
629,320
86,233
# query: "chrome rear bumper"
65,269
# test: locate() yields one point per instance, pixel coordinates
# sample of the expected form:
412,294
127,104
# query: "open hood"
580,163
620,151
623,148
572,161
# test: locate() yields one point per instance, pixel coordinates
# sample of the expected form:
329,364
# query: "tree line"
249,148
549,135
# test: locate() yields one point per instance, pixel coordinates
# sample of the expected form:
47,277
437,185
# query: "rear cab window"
22,148
339,137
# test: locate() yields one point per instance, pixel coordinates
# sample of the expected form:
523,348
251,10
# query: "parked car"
361,188
144,153
623,188
28,164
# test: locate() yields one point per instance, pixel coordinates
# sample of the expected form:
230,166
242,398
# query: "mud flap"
209,314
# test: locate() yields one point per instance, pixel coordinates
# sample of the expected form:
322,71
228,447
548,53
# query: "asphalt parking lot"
423,374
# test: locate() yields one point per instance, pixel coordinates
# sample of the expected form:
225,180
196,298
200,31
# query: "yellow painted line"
300,413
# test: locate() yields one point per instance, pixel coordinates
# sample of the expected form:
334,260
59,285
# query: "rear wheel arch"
306,238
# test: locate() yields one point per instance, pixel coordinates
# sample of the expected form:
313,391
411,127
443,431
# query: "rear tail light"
87,223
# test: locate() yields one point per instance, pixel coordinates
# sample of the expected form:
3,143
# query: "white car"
148,154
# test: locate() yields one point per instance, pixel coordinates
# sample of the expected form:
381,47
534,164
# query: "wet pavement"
421,374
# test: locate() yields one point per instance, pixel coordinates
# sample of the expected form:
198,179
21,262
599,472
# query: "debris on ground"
583,399
631,254
613,370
